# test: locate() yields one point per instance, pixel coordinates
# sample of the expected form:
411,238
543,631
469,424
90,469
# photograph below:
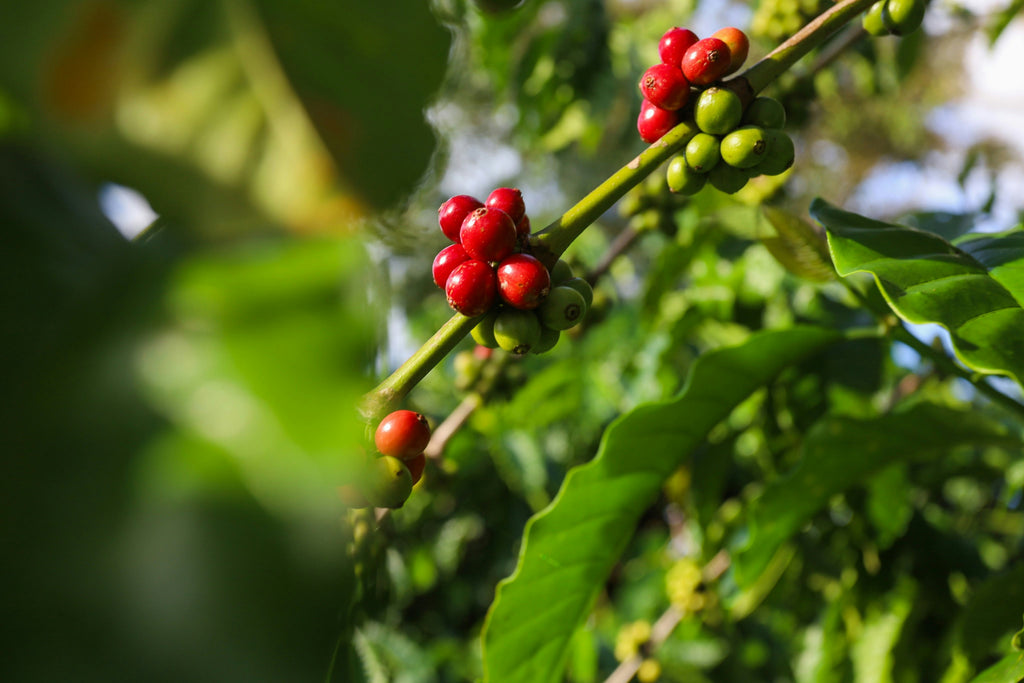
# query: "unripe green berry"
779,154
564,308
682,179
873,22
728,179
744,147
903,16
702,152
390,482
718,111
766,112
584,288
483,333
561,272
516,330
548,338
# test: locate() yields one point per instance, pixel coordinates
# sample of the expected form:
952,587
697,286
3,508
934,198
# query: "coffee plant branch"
553,240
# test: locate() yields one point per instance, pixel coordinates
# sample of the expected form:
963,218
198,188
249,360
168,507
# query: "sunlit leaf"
1010,669
797,246
570,547
841,452
974,291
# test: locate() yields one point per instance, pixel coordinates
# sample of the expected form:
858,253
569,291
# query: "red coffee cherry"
523,228
523,281
447,260
488,234
654,122
664,85
706,61
453,212
739,46
403,434
472,288
509,200
416,466
674,44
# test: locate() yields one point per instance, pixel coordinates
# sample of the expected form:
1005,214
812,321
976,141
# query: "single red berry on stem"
674,44
402,434
509,200
523,281
665,86
453,212
706,61
472,288
488,234
447,260
739,46
654,122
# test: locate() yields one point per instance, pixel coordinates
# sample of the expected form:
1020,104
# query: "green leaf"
841,452
1002,20
570,547
1010,669
992,613
797,246
1018,640
872,653
975,292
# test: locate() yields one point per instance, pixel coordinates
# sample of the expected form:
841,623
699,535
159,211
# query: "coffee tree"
608,372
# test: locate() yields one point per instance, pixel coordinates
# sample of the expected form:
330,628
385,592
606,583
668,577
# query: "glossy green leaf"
1009,669
842,452
570,547
974,290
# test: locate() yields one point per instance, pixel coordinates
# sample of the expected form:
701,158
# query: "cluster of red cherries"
487,271
686,62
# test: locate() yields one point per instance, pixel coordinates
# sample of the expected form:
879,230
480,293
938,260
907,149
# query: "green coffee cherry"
903,16
548,338
728,179
702,152
584,288
516,330
561,272
483,333
779,154
682,179
564,308
765,112
718,111
873,22
390,482
745,147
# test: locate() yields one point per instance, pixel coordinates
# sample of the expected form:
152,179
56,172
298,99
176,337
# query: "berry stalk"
813,34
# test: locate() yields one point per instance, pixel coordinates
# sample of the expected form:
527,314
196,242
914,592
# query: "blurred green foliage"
177,409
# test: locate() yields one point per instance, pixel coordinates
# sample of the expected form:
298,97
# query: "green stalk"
813,34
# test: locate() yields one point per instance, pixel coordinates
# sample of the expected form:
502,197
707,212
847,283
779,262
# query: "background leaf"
840,452
926,279
570,547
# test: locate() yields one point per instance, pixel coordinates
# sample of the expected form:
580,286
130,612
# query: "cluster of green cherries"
728,146
894,17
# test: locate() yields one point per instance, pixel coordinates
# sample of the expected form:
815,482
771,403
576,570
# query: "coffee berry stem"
551,242
387,395
813,34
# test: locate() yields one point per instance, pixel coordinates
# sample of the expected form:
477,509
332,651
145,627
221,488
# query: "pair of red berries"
486,265
686,61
